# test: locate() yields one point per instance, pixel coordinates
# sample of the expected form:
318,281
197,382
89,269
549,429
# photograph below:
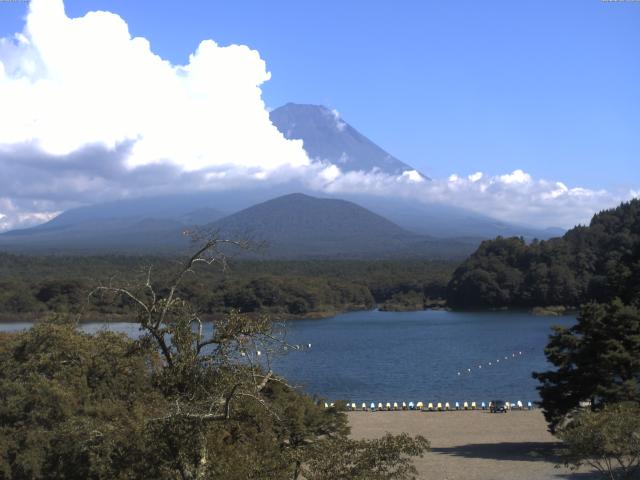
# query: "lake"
432,356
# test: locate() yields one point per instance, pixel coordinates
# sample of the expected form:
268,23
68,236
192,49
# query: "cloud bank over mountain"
514,197
92,114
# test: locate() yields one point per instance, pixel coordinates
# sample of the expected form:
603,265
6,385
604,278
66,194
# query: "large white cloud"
91,114
69,83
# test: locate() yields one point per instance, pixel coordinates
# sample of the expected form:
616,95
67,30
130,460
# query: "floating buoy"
259,353
488,364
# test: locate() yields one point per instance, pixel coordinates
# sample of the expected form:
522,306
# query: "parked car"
498,406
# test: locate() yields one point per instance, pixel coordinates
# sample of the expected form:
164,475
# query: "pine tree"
596,360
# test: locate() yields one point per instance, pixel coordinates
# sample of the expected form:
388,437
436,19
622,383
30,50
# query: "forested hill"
596,262
33,287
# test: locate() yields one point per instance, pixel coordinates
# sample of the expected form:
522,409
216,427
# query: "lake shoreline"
34,317
378,356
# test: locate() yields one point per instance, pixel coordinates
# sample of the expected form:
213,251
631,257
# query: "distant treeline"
31,286
596,262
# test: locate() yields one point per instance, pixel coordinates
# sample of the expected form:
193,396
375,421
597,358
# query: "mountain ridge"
328,137
124,224
302,226
290,226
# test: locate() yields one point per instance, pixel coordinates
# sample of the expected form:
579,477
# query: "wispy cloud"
340,124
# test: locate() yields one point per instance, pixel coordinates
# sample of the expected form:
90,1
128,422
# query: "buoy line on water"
300,346
489,364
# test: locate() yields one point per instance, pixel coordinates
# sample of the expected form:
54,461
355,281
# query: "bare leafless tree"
208,364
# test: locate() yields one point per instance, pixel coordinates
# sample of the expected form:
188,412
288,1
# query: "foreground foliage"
74,406
190,399
597,360
607,440
388,457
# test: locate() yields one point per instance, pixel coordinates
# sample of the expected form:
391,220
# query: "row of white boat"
432,407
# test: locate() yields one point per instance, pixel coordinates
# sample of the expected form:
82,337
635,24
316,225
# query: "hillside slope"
298,225
294,226
596,262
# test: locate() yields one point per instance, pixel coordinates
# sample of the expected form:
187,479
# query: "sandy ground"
474,445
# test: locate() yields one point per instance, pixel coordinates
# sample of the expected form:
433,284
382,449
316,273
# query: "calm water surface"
410,356
391,356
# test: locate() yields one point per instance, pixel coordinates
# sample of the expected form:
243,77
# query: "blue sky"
550,87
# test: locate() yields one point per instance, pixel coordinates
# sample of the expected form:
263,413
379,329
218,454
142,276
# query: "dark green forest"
597,262
31,286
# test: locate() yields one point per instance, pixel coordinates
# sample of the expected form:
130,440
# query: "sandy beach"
474,445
